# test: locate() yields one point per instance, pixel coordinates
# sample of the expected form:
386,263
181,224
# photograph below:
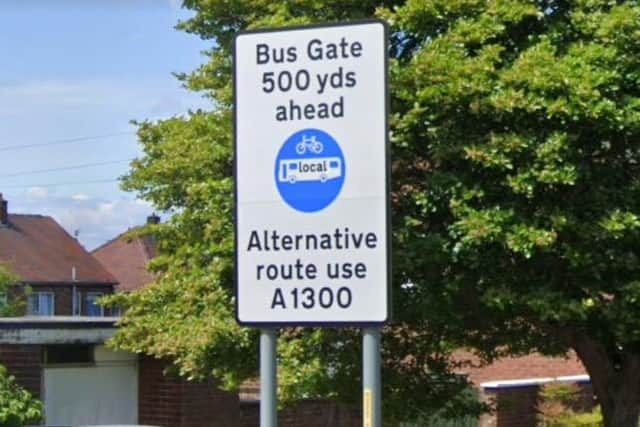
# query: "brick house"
513,383
127,258
65,280
56,349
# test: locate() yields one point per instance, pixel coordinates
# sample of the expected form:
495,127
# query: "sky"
73,74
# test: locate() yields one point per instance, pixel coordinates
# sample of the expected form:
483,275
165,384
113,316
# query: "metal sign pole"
268,378
371,383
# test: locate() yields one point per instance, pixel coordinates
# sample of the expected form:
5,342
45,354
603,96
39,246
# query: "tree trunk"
615,377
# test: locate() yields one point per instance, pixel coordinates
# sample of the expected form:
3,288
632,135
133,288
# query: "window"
90,302
68,354
116,311
4,305
40,304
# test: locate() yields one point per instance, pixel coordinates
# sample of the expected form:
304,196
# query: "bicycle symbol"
309,144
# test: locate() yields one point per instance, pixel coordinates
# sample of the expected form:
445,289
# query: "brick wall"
170,401
517,406
203,404
308,413
25,363
249,413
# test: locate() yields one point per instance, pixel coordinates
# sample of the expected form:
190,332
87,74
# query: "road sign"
311,170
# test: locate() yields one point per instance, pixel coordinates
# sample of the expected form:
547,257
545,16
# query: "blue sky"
73,69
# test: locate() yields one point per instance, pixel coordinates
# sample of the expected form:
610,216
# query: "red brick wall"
203,404
517,406
170,401
308,413
249,414
25,363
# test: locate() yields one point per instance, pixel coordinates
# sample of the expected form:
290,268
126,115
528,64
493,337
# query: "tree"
17,406
11,304
516,200
7,278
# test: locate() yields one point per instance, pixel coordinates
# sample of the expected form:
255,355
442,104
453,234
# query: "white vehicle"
312,169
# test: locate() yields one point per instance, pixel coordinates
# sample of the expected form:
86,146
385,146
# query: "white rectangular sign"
311,160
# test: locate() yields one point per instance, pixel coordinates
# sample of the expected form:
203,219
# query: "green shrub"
17,406
555,408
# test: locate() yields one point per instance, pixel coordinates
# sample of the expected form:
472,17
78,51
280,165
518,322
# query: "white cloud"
79,197
153,98
97,221
37,192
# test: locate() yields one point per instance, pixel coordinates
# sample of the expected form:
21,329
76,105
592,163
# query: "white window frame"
38,294
116,311
87,304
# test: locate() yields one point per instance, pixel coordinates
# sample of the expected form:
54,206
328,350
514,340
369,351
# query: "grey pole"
268,378
371,383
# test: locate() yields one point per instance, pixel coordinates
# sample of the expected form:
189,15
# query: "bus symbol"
313,169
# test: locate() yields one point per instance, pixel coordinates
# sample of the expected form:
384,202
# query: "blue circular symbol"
309,170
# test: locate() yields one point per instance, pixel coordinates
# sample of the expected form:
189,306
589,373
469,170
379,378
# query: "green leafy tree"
17,406
12,304
515,130
7,278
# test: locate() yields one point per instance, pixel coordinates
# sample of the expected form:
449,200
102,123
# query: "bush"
557,408
17,406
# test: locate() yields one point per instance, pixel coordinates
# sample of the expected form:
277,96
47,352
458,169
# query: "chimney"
4,211
153,219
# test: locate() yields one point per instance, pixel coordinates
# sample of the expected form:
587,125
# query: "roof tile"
39,250
127,259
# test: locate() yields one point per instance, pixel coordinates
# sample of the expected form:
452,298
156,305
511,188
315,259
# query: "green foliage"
570,419
11,305
443,419
17,406
557,401
515,130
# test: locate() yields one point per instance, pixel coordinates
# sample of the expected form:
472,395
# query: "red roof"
517,368
39,250
127,259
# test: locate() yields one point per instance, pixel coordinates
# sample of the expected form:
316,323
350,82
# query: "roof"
39,250
127,257
529,366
